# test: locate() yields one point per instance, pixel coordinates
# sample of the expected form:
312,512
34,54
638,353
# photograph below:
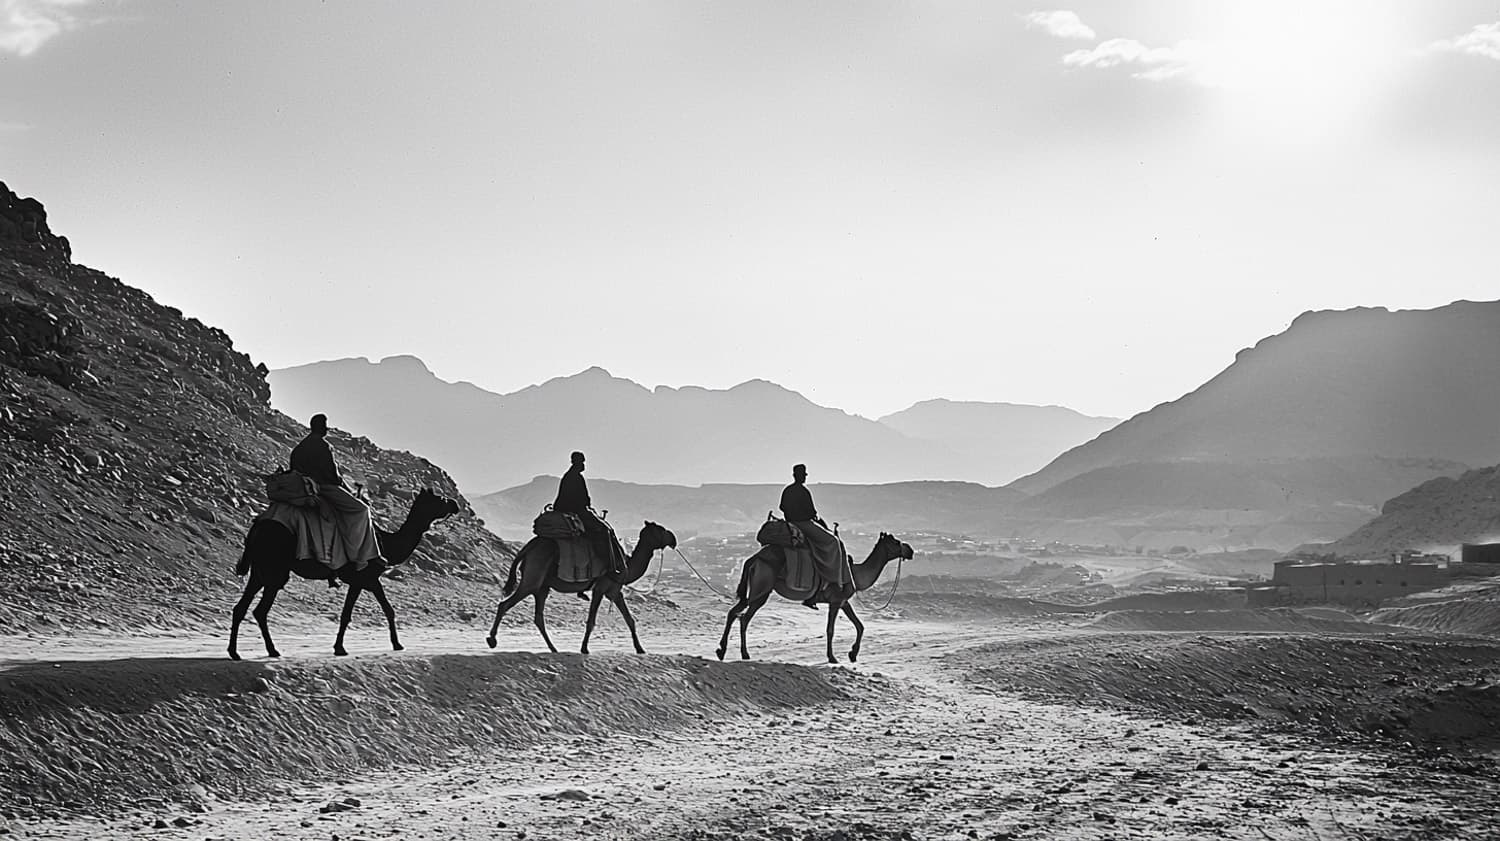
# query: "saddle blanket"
576,560
800,570
316,530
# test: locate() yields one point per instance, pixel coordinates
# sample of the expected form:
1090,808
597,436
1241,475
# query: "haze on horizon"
1093,204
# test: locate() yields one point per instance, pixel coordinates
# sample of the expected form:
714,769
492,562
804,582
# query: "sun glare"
1305,63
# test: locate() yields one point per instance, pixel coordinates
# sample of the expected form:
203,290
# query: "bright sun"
1314,61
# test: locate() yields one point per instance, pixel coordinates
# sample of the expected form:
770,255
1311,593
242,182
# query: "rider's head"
799,472
578,459
320,424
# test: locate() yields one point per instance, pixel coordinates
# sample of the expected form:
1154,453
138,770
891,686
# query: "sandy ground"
936,748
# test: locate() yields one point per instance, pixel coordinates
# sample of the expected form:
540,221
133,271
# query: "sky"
1094,204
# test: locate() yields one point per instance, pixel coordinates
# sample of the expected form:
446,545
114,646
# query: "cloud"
1483,40
1186,60
25,25
1059,23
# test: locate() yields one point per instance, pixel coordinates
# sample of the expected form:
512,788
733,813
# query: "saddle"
291,488
557,525
774,532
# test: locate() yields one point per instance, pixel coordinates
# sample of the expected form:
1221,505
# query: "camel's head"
893,547
657,537
430,507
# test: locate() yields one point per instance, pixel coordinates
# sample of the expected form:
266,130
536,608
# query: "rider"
573,498
314,459
798,509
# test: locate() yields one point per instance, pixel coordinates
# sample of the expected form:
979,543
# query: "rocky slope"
1353,383
132,442
1434,516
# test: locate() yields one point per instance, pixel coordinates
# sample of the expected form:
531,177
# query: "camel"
760,579
270,557
537,561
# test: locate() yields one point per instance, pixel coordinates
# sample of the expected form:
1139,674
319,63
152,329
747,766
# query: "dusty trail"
936,757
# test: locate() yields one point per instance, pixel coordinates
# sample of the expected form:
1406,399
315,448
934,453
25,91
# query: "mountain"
1352,383
727,509
132,444
753,432
997,441
1300,439
1435,516
1222,506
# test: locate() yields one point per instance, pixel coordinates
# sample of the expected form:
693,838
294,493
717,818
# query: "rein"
720,593
894,587
654,584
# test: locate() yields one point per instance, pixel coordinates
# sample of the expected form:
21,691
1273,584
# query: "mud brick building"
1354,583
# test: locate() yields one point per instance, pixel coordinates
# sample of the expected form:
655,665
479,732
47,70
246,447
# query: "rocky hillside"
1434,516
134,439
1360,382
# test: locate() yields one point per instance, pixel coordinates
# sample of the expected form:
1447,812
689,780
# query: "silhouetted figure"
573,498
798,509
314,459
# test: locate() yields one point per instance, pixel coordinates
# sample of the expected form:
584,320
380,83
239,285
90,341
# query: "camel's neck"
397,546
867,573
640,560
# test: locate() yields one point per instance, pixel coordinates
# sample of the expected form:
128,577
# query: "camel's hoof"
396,646
745,656
583,650
234,655
340,652
854,656
273,653
720,652
490,641
639,650
833,661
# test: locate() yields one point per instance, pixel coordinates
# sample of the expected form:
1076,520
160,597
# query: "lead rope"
654,584
894,587
720,593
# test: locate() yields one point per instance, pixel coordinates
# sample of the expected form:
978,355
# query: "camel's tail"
515,564
243,565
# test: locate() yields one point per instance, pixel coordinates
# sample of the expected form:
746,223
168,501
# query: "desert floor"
960,720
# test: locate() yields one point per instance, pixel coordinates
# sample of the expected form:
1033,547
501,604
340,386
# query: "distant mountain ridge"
752,432
1360,382
731,509
997,439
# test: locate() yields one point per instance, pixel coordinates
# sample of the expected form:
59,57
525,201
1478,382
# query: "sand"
976,726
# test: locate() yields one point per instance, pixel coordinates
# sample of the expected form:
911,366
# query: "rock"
160,824
1201,766
201,513
182,823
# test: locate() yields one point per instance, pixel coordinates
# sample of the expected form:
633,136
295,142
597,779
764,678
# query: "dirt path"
946,760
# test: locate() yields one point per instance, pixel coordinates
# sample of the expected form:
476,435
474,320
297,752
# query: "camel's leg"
734,613
540,617
349,599
390,613
503,608
618,597
833,615
859,631
263,610
588,627
240,609
745,623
